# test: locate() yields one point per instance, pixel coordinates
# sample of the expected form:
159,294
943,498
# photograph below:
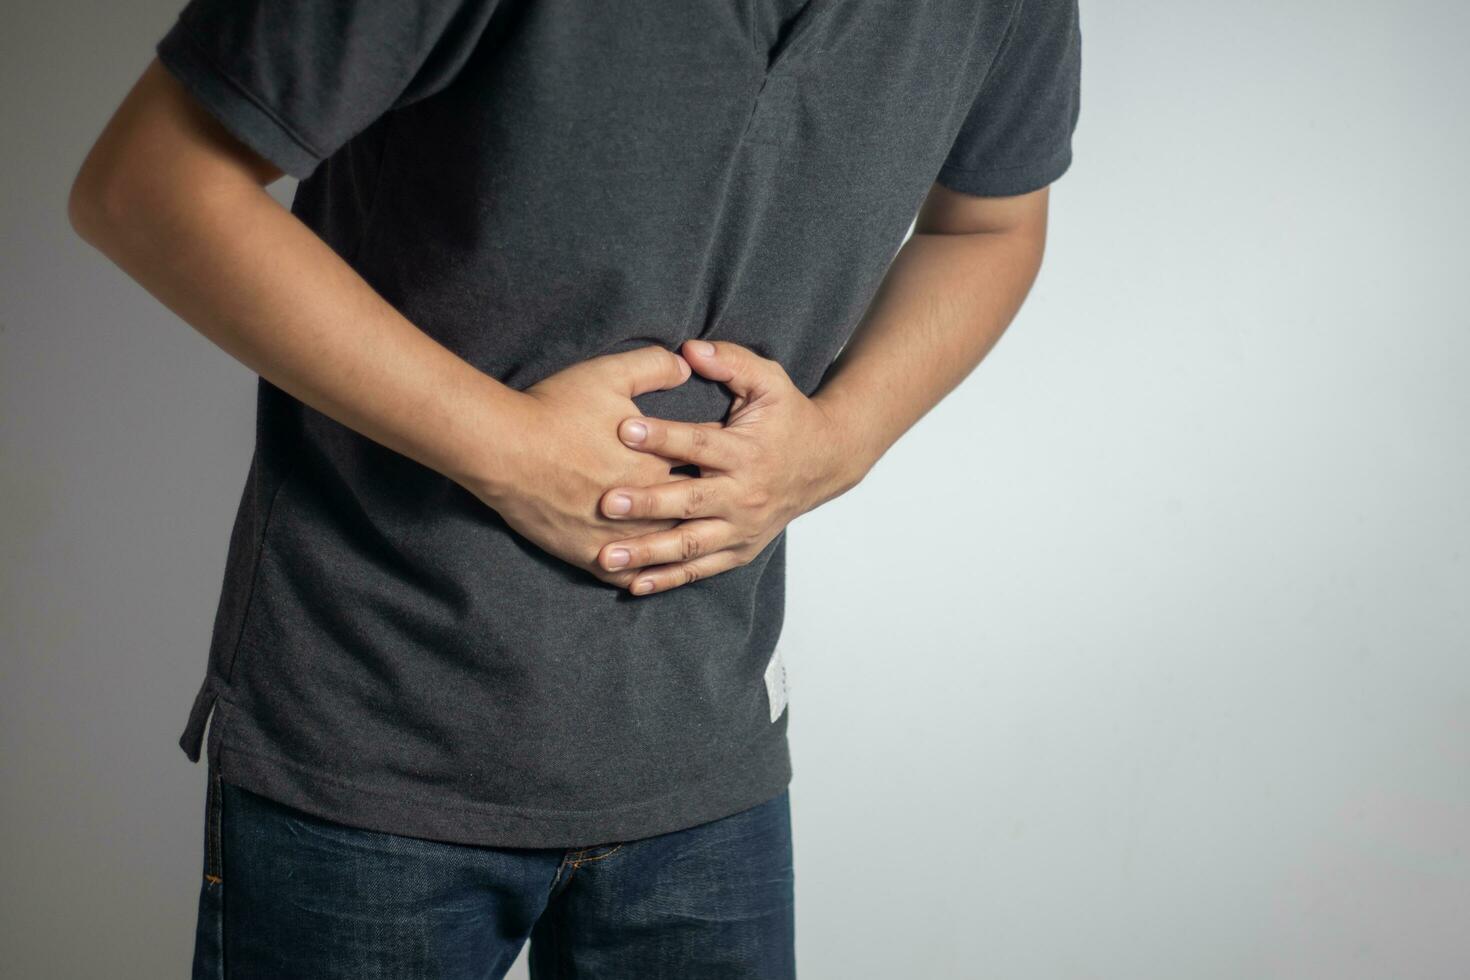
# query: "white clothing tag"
776,684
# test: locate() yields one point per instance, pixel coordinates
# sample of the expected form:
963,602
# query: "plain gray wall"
1143,656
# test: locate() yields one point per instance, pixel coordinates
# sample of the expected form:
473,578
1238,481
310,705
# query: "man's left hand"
777,455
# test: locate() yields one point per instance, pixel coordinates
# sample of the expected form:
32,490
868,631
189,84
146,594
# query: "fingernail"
704,347
643,588
620,504
617,558
635,432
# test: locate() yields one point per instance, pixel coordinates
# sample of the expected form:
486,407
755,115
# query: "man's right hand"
567,453
285,304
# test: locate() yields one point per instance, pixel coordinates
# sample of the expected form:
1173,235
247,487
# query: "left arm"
951,292
948,296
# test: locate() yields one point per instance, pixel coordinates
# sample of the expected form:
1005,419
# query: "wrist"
495,443
851,453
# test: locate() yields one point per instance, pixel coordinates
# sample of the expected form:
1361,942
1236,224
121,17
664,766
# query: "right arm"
180,205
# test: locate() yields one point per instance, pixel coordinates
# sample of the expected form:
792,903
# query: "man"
548,345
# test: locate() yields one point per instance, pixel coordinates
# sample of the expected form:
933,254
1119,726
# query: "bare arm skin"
180,205
948,296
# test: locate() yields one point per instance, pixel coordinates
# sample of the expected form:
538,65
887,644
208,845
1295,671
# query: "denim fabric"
290,895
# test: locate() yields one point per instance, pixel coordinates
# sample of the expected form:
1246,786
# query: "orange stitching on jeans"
213,879
607,854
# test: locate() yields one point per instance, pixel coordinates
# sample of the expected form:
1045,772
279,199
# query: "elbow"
155,165
98,201
118,193
81,206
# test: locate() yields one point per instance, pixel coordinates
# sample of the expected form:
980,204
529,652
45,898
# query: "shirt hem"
756,778
1008,181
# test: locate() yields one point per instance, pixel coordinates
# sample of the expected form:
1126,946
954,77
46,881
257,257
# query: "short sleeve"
1017,136
296,79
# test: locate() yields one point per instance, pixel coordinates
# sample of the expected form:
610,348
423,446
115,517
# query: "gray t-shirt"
536,182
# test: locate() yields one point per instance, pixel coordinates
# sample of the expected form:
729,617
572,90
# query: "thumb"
738,368
650,368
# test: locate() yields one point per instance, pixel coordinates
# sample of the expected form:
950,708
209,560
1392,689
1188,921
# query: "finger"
685,541
662,578
705,496
650,368
739,368
692,442
621,579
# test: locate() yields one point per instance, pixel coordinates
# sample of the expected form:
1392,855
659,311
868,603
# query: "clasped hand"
592,481
776,456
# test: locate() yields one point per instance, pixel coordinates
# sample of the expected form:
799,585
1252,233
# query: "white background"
1143,656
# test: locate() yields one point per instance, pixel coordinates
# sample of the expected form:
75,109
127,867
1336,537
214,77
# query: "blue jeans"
288,895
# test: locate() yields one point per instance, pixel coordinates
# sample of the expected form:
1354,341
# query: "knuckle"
694,499
689,575
757,498
618,578
690,545
663,360
750,551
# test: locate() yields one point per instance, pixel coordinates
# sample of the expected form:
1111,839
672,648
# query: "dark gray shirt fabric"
536,182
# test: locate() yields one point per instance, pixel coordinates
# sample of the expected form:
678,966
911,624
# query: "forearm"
943,305
228,259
